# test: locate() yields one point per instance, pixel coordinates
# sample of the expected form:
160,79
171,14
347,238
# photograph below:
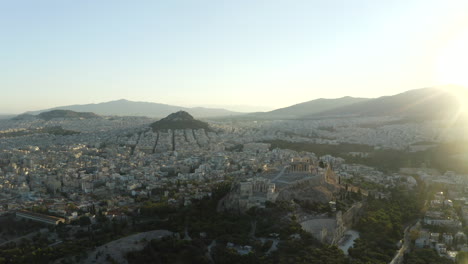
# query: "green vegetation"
442,157
314,207
170,250
201,216
320,149
84,221
382,226
390,160
24,117
40,249
273,219
66,114
296,246
426,256
9,227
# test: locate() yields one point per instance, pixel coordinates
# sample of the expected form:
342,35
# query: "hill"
6,116
130,108
425,103
24,117
66,114
179,120
307,108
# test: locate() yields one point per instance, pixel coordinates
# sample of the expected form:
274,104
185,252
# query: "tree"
84,221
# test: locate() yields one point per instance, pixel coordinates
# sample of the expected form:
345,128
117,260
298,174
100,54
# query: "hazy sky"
191,53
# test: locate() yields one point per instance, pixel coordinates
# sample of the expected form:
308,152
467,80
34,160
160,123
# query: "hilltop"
179,120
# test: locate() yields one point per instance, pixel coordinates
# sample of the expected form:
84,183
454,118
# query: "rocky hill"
179,120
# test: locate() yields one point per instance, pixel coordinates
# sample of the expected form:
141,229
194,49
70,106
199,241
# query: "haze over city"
261,55
232,132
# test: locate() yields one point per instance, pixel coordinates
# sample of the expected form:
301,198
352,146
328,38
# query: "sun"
452,62
452,69
460,116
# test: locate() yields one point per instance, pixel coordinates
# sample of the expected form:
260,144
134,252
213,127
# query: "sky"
242,54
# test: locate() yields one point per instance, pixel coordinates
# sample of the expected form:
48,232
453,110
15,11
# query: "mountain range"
130,108
307,108
425,103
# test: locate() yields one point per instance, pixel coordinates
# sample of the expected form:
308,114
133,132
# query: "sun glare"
452,64
461,93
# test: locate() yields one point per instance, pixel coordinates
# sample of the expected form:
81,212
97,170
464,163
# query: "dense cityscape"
234,132
81,188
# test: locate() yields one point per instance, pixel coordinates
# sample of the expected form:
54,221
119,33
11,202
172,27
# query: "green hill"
66,114
179,120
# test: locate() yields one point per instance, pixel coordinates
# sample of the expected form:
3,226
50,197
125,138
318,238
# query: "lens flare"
452,63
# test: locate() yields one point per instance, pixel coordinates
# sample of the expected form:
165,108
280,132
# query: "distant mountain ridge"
308,108
130,108
426,103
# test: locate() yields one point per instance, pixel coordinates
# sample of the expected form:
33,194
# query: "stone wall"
352,215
